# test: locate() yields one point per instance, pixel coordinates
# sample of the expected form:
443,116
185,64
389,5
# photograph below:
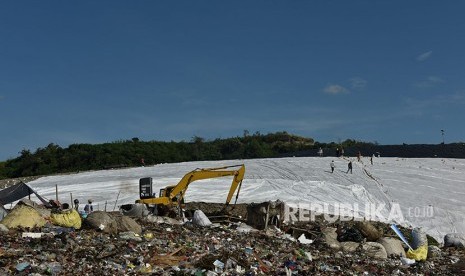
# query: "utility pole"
443,145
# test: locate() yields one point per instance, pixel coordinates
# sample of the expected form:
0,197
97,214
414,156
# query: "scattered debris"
113,244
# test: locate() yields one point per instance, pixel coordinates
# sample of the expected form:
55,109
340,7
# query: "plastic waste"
291,265
419,244
303,240
419,238
23,266
219,266
407,261
55,268
350,234
32,235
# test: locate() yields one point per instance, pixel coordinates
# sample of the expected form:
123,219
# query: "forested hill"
78,157
53,159
352,148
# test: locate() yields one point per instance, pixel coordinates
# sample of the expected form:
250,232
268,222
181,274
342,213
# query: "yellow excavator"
173,196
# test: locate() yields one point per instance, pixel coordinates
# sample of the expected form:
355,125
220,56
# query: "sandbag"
23,216
200,219
112,223
368,230
419,238
393,246
127,224
349,246
67,218
134,210
454,240
102,221
374,250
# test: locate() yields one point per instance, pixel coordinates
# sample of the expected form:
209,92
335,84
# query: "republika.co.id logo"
332,212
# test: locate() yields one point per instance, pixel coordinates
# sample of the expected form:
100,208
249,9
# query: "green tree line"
54,159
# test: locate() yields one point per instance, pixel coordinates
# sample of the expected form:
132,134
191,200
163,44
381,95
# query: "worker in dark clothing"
349,167
89,208
76,204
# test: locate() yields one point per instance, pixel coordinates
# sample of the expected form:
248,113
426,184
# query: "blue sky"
102,71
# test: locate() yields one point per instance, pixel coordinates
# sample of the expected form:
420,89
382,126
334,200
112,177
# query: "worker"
349,167
89,208
76,204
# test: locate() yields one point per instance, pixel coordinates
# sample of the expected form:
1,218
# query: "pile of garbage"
109,243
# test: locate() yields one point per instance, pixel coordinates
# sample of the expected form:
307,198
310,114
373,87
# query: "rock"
374,250
349,246
330,238
393,246
368,230
434,252
454,240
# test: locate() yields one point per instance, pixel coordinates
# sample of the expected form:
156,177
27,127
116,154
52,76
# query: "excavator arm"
175,194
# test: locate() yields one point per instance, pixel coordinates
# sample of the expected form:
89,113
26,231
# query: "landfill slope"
413,184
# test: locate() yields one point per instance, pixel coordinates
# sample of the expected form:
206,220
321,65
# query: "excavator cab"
166,192
145,188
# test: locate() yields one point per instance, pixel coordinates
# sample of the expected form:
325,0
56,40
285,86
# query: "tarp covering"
17,192
3,212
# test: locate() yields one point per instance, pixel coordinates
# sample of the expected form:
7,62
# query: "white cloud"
429,82
424,56
335,89
358,83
